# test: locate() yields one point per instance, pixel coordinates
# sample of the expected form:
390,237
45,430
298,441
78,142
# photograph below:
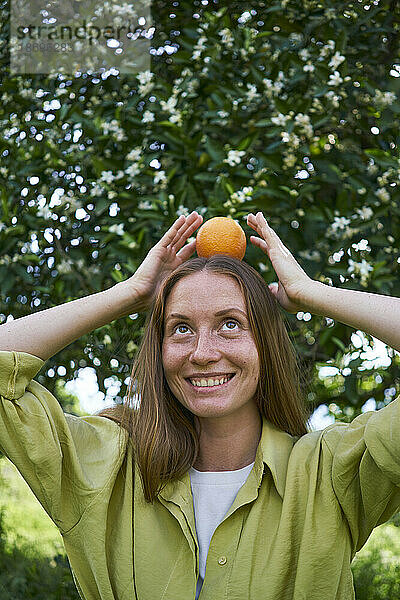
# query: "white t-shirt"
213,495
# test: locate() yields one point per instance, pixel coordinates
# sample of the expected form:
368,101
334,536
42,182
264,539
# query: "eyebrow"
217,314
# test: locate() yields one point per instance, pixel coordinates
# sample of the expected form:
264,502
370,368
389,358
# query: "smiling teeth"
209,382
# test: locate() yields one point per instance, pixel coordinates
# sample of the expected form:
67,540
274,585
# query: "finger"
259,243
269,235
273,288
253,221
170,234
187,251
192,222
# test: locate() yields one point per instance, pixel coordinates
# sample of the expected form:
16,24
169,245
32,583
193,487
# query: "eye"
231,321
179,326
225,322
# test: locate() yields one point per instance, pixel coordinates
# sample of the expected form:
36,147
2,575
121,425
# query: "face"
200,343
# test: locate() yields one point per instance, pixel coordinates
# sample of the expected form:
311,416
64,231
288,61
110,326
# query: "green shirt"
307,506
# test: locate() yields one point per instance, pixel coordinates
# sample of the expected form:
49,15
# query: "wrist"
312,297
125,300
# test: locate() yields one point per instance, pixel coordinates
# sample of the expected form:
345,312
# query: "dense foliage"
26,575
286,107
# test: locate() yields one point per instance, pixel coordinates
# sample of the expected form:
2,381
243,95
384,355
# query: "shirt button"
222,560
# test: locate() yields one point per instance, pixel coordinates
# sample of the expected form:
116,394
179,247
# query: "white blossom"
362,245
382,99
309,68
290,138
334,98
280,119
176,118
273,88
365,212
296,37
330,45
124,10
222,114
289,160
132,170
182,210
340,223
114,127
44,211
384,178
372,168
148,117
169,105
107,176
134,154
382,194
118,229
64,267
245,17
145,77
330,13
199,47
145,205
304,54
252,93
304,122
97,190
242,195
160,176
362,268
234,157
27,93
334,78
336,60
227,37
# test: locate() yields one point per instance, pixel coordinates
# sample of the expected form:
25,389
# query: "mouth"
208,388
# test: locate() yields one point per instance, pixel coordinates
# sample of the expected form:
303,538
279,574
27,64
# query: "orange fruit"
221,235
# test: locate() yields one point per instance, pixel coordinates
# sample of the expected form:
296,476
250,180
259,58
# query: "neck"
228,443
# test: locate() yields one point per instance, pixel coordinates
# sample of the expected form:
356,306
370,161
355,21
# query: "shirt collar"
274,450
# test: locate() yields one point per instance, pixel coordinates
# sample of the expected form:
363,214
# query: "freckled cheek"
172,359
251,363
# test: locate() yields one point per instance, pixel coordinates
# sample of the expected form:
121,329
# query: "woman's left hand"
294,285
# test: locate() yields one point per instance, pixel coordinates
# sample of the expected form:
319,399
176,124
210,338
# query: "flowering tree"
286,107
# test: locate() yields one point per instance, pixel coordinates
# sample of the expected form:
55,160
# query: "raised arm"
374,314
46,332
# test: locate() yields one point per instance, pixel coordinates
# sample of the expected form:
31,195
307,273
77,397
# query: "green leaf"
339,343
214,150
382,158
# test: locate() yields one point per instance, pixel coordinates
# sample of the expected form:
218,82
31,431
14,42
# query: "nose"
205,349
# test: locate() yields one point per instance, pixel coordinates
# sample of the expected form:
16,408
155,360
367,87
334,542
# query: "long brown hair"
162,430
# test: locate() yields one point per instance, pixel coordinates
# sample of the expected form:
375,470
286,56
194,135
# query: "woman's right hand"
163,258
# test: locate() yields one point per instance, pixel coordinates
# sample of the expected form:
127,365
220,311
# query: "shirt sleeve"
366,469
66,460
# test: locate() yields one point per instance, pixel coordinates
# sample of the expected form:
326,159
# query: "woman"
231,496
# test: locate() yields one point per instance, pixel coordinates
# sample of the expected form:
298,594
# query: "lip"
209,375
205,389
